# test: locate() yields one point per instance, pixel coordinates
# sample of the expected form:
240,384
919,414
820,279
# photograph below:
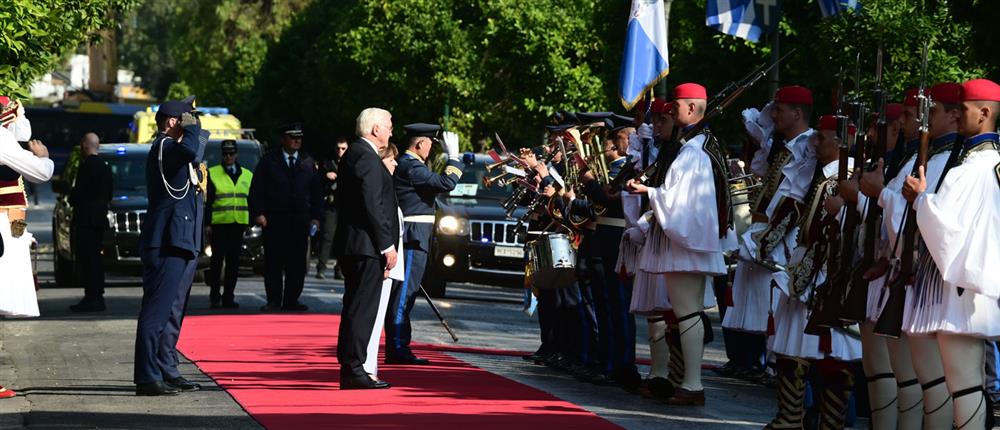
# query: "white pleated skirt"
789,339
661,255
17,297
878,293
934,306
628,256
751,298
649,294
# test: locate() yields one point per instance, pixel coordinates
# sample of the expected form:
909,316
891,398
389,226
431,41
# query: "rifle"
890,321
715,107
856,301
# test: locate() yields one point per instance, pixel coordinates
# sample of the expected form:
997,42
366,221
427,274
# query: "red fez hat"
829,122
948,93
661,106
794,95
981,89
690,91
911,98
893,111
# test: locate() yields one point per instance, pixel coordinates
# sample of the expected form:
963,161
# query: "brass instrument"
741,182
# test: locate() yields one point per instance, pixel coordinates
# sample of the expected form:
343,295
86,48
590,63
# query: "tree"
36,35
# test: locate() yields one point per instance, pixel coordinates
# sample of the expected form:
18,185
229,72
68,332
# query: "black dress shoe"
362,383
89,305
231,304
298,307
183,384
410,361
270,308
156,389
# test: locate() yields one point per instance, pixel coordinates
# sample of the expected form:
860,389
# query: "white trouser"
371,363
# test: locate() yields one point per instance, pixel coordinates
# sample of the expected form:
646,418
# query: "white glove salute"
645,132
450,142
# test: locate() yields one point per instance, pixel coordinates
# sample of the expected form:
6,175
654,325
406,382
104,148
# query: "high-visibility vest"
230,205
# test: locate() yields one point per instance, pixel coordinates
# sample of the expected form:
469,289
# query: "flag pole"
773,77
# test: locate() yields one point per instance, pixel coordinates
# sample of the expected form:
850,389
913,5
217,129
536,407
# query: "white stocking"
881,381
686,292
659,353
909,398
938,412
962,357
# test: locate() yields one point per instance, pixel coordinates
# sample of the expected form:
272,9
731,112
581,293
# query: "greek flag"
737,18
834,7
645,59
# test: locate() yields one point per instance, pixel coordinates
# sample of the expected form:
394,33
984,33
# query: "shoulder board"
996,170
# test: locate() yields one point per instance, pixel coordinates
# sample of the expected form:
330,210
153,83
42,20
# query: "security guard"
286,200
228,188
169,246
416,187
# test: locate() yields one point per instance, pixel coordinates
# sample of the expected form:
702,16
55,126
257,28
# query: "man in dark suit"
365,242
286,200
89,199
169,245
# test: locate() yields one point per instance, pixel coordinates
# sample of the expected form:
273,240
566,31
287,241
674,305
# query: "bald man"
89,199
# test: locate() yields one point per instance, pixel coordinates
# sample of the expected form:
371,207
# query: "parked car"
120,246
473,238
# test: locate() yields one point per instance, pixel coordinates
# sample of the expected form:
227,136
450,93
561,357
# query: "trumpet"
501,180
504,162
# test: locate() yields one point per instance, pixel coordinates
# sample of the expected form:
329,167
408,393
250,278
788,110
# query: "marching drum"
553,261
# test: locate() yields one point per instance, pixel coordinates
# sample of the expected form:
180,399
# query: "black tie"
291,161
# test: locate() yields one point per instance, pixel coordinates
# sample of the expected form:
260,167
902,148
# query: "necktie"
291,161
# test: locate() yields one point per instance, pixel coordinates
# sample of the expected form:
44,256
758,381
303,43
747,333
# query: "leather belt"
612,222
420,219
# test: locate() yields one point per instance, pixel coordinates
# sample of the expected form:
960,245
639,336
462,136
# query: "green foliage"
35,35
507,65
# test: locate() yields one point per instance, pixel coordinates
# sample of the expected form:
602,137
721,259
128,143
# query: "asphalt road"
75,370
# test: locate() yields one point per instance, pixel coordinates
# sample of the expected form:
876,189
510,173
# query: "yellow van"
217,120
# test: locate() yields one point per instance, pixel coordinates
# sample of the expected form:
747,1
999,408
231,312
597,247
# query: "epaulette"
452,170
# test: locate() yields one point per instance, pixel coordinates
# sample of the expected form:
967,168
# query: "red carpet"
283,370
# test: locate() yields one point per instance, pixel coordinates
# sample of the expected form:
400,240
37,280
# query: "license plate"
508,251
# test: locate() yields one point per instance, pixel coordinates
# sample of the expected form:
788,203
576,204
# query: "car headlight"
453,226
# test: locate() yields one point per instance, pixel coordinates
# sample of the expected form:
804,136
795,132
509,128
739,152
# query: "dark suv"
473,239
120,246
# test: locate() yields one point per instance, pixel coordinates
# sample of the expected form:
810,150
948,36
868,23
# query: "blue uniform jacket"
171,222
416,188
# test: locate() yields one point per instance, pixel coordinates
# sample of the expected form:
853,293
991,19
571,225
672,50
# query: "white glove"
635,235
645,132
450,142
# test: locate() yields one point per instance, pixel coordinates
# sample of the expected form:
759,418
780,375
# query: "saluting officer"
416,188
286,200
228,188
169,246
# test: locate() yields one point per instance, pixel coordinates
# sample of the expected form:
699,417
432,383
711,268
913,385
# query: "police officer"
228,188
416,187
169,246
286,200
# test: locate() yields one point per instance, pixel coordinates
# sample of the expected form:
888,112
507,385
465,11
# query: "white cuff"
387,250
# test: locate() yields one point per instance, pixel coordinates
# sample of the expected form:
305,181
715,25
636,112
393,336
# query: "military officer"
416,188
169,245
228,188
286,200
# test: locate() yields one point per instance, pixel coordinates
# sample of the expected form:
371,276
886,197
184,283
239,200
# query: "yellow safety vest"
230,206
